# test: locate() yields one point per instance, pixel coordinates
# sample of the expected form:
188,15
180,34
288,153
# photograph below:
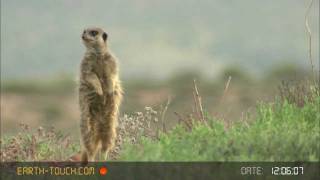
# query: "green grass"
280,132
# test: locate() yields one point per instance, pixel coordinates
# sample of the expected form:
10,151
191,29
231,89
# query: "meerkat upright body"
100,95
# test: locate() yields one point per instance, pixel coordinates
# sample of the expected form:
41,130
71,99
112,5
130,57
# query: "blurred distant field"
54,102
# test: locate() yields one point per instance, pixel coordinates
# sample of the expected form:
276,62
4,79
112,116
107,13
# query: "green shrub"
281,132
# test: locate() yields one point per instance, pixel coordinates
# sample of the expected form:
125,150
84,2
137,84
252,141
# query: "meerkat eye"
93,33
104,36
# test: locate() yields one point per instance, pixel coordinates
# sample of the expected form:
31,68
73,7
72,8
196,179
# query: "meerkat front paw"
94,82
110,89
99,90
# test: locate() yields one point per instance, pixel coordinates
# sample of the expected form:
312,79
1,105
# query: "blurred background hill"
162,46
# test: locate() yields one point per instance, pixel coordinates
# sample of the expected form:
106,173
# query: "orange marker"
103,171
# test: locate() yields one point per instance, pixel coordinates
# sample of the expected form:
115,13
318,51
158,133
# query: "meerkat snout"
82,36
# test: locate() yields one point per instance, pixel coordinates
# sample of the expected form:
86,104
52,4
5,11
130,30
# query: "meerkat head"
95,39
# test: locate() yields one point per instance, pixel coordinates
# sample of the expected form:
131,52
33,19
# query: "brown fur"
100,95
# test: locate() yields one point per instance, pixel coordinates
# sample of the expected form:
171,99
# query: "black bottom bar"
160,170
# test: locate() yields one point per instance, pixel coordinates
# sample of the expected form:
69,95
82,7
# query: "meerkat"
100,95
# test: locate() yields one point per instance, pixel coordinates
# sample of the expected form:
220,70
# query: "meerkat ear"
104,36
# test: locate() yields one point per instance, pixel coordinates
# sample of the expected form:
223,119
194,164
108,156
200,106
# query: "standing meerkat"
100,95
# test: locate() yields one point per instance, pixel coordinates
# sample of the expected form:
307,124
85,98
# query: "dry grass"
198,113
47,144
132,127
298,93
309,33
50,145
36,145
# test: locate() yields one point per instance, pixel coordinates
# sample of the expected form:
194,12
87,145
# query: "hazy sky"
156,38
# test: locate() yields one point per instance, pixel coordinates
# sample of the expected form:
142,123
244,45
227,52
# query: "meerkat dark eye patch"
93,33
104,36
